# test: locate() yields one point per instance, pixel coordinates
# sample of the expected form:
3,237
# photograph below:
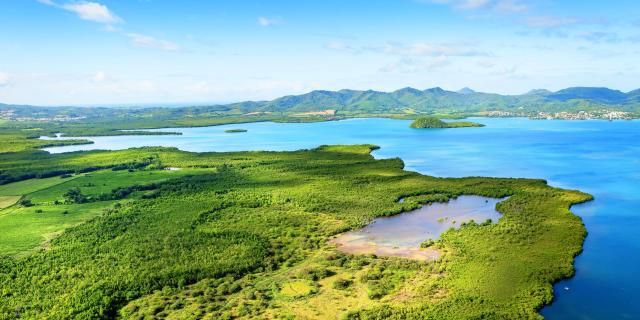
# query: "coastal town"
10,114
584,115
580,115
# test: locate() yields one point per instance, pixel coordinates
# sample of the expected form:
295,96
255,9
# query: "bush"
26,203
427,243
315,273
342,284
74,196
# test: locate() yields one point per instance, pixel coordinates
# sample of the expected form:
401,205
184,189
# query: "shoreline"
475,238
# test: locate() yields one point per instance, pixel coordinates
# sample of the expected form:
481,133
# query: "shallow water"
599,157
402,234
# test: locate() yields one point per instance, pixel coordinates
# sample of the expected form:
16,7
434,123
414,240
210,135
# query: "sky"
67,52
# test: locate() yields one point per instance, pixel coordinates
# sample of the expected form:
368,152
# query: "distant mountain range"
440,100
409,100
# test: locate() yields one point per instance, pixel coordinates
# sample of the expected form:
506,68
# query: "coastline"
532,204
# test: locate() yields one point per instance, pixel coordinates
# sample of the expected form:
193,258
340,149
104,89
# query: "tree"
26,203
75,196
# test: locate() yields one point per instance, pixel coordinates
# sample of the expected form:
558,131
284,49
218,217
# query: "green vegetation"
297,289
23,125
403,103
428,122
32,185
342,284
17,143
433,122
428,243
463,124
7,201
235,130
245,235
56,201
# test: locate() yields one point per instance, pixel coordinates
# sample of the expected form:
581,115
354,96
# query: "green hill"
433,122
440,100
313,106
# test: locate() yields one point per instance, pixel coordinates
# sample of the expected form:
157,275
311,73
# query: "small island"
433,122
235,130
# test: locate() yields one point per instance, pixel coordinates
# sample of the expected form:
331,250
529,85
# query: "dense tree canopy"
245,235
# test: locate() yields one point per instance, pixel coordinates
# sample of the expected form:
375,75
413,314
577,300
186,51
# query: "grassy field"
25,228
100,182
245,235
24,187
6,201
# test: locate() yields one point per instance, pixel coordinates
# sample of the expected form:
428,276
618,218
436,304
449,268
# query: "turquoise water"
599,157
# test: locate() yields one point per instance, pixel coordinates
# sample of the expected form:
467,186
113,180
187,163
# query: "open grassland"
48,213
32,185
245,235
6,201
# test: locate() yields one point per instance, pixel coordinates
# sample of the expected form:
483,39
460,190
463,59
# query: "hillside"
429,100
322,105
438,99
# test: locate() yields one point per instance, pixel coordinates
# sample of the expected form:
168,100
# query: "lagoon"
598,157
401,235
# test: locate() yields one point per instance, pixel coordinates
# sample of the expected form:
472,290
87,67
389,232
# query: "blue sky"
55,52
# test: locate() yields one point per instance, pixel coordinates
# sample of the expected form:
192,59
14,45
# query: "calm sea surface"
598,157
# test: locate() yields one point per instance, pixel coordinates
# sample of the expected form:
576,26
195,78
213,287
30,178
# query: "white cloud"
90,11
267,22
485,64
111,28
509,6
341,46
549,22
5,79
409,65
430,49
417,49
99,77
260,89
96,12
599,36
141,40
472,4
47,2
509,72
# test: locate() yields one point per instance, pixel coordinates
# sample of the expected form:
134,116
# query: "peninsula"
85,218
